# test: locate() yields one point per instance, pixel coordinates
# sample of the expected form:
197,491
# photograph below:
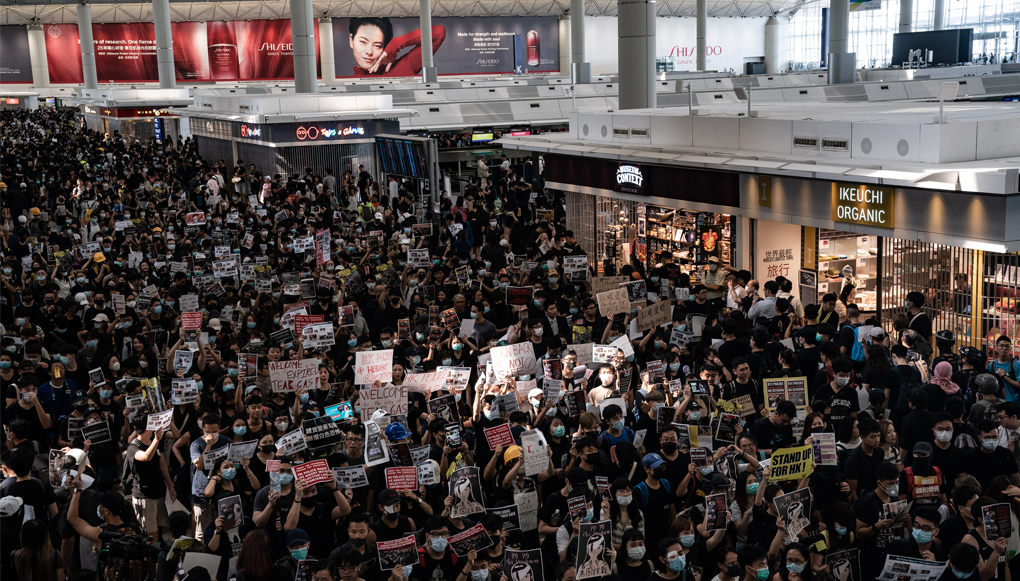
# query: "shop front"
141,123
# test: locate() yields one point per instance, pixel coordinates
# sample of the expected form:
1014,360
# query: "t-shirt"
34,493
430,569
987,465
844,402
37,432
771,436
148,481
869,510
861,467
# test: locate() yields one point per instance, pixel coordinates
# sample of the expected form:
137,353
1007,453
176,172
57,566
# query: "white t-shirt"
737,290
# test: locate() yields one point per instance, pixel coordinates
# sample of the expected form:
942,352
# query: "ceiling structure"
42,11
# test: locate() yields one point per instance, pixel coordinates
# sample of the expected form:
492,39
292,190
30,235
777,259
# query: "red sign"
520,133
13,101
302,321
313,472
191,321
499,436
404,478
273,465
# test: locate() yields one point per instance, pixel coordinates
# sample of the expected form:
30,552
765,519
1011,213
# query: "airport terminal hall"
510,290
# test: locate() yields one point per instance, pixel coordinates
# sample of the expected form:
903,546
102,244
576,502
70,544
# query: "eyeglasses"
924,528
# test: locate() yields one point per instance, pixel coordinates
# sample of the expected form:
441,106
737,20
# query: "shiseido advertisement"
15,64
391,47
203,51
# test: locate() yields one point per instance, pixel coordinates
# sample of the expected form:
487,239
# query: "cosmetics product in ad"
534,48
223,63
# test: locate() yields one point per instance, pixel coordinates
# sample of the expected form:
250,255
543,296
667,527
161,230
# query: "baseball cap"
378,216
388,497
296,537
215,324
713,259
878,332
922,448
535,393
719,480
100,318
652,461
511,453
396,431
112,501
10,505
81,299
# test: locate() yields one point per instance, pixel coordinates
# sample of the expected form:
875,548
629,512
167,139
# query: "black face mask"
659,472
357,542
669,447
308,502
270,449
733,571
593,458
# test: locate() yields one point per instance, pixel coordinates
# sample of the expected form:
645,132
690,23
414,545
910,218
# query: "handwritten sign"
392,399
516,359
605,283
614,301
289,376
652,316
427,382
372,366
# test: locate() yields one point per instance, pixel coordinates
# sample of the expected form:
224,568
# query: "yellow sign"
864,204
785,388
810,260
790,464
764,191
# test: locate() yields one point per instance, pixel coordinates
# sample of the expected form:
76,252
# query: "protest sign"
392,399
623,343
604,283
376,450
445,408
527,509
183,359
400,552
302,321
351,476
792,389
908,569
372,366
191,321
230,509
715,512
533,450
291,443
603,353
823,448
845,565
313,472
523,565
290,376
428,473
241,450
318,335
340,412
790,464
426,382
418,257
472,539
466,491
402,478
321,431
654,315
795,508
994,519
510,515
614,301
97,433
726,431
592,541
159,420
513,360
583,351
498,436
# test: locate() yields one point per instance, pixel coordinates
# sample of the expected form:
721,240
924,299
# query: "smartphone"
453,436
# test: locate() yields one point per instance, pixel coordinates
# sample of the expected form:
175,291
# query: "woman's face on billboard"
367,45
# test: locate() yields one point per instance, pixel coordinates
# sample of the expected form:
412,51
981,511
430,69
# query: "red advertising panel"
211,51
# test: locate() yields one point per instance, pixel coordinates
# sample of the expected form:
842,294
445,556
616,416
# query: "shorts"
151,512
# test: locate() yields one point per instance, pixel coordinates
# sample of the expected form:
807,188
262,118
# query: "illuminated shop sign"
630,179
250,132
864,204
313,132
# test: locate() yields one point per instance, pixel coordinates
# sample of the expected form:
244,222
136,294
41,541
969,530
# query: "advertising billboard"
15,64
391,47
253,50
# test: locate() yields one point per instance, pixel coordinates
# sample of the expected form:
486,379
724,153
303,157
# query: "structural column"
302,31
326,59
636,57
88,48
428,67
842,64
565,44
164,44
940,14
702,34
580,70
37,54
773,44
906,15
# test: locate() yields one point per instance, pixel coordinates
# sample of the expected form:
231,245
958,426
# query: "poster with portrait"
229,509
592,543
845,565
466,491
523,565
445,408
795,508
397,553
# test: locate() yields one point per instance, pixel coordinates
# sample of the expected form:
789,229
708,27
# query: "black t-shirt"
37,432
861,467
922,324
34,493
987,465
844,402
869,510
730,350
735,389
554,510
148,482
771,436
950,461
386,533
429,569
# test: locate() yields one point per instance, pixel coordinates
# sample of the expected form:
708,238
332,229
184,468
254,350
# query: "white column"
326,59
302,31
636,55
842,64
702,34
37,54
580,69
773,44
164,44
88,49
428,66
564,44
940,14
906,15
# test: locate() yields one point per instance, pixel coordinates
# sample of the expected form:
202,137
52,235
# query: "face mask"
921,537
588,515
447,362
618,425
144,364
352,342
232,372
229,473
241,430
558,431
159,310
686,540
304,398
842,381
706,470
285,479
105,393
943,436
893,490
315,414
438,545
99,513
795,568
636,554
385,343
282,426
492,414
474,315
457,347
841,531
733,571
678,564
695,416
753,488
762,574
503,285
419,336
624,501
416,359
961,574
391,509
480,575
538,332
990,443
299,554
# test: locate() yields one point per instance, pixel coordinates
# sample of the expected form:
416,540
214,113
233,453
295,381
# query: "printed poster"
592,542
466,491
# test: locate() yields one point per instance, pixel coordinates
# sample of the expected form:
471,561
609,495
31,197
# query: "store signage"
314,132
12,101
158,126
249,132
764,191
864,204
630,179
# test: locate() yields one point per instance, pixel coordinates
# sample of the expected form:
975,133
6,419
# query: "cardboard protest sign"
313,472
604,283
98,433
498,436
290,376
372,366
321,431
513,360
795,508
527,508
402,478
533,452
614,301
623,343
790,464
426,382
391,399
466,491
592,541
472,539
351,476
400,552
654,315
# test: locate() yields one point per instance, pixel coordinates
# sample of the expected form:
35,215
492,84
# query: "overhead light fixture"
986,246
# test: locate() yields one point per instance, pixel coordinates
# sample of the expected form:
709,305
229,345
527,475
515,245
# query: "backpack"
642,491
125,556
857,353
912,485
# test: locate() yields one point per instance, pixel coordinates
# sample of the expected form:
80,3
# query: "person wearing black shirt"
919,544
809,359
919,320
878,523
916,427
392,525
991,459
842,398
356,552
743,383
948,458
774,432
863,461
700,305
436,561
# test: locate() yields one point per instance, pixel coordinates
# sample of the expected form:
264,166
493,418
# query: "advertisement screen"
391,47
15,64
203,51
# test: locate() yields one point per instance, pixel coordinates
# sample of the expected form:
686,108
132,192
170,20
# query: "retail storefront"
141,123
958,249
